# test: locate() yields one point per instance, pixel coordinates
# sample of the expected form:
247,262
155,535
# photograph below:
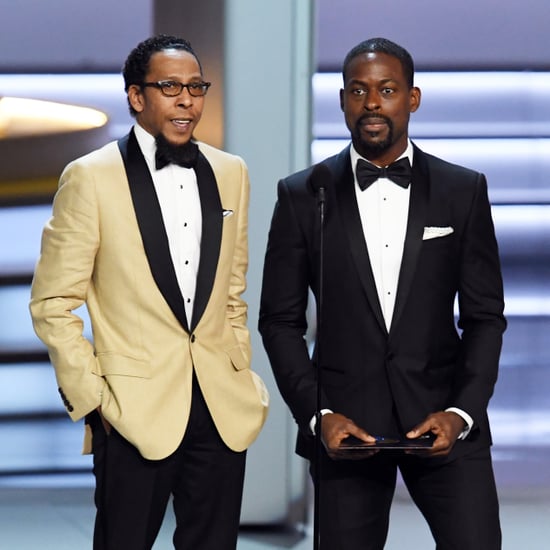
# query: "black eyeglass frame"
192,87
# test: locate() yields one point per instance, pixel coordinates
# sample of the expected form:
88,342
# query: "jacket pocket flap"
237,358
121,365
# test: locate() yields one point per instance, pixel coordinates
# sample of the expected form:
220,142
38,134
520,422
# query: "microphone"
319,179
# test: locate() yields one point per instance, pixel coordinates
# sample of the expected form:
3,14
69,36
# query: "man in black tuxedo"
397,251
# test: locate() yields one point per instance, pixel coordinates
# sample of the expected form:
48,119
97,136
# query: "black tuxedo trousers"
204,477
457,498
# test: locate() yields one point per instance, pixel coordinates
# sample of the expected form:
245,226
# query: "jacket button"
192,338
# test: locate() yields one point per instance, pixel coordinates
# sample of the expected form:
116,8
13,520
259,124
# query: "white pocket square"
435,232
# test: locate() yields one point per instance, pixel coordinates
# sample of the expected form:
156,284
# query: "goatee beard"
374,148
185,154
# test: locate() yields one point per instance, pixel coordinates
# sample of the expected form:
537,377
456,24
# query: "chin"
177,141
181,142
375,147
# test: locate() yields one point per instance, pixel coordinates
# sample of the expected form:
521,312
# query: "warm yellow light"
24,117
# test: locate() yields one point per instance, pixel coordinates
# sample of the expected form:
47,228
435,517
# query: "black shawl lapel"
151,225
212,224
418,207
349,214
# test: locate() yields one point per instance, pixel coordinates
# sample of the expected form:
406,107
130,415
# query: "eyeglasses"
172,88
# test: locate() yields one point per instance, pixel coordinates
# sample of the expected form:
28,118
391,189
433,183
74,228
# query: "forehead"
173,62
375,66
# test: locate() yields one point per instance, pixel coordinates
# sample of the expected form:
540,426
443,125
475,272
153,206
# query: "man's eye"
358,91
169,85
195,85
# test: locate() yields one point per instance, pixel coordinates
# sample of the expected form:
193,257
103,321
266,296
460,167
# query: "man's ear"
136,98
415,97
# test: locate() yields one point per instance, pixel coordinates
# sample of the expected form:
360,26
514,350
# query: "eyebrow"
363,83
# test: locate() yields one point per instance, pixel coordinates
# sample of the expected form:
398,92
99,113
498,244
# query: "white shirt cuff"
466,417
313,421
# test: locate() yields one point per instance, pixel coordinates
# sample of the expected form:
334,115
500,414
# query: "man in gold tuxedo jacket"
158,253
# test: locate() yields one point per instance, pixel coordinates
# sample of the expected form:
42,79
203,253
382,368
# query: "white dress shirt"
384,210
178,195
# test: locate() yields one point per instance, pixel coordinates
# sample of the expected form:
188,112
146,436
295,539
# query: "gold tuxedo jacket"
105,246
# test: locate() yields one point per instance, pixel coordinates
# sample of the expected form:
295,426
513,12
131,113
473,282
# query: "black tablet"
352,443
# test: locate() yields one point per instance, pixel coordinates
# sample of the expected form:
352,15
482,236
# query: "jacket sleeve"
481,307
284,305
69,243
237,310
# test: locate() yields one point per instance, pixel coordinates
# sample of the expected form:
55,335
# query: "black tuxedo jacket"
386,382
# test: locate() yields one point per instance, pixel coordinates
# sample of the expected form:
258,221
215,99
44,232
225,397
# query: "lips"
373,124
181,121
182,126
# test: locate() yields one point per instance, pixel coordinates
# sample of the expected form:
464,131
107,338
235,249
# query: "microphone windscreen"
320,177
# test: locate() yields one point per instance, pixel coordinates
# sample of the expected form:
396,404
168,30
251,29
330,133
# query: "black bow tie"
399,172
186,156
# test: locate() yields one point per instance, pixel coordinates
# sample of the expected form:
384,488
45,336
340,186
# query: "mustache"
369,118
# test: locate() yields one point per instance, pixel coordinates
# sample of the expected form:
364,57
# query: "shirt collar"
146,143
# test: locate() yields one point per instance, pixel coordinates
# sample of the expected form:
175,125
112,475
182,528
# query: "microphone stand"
318,415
